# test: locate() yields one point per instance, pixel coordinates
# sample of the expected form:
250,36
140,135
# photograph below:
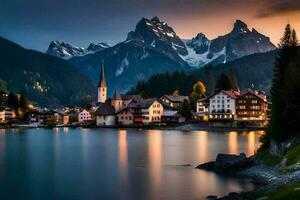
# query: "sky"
35,23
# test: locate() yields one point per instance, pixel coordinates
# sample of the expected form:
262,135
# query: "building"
172,117
6,114
146,111
222,105
84,115
125,116
102,88
202,109
173,102
105,115
251,105
117,101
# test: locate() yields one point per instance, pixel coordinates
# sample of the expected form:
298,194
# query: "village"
224,108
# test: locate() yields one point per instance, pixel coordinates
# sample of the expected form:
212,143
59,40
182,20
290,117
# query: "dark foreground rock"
226,163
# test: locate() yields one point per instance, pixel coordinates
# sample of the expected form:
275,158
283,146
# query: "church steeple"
102,88
102,81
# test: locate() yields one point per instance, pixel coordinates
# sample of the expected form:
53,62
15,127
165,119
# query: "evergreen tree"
210,81
286,40
185,110
233,80
13,101
294,38
285,112
224,83
23,102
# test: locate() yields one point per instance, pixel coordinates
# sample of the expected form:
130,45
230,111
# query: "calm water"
63,163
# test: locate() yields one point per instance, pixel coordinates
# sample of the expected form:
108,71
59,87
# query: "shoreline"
183,127
267,178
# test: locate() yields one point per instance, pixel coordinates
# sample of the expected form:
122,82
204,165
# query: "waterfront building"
6,114
202,108
222,105
84,115
251,105
105,115
146,111
125,116
172,117
173,102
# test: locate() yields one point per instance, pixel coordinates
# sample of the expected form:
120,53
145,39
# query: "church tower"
102,89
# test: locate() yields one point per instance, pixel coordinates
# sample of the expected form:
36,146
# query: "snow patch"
122,66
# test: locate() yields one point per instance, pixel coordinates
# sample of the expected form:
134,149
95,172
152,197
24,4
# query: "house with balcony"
251,105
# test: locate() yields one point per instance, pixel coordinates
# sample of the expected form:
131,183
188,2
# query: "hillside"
254,69
46,79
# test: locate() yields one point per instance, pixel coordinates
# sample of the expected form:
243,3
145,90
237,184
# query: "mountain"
238,43
46,79
153,47
66,51
254,69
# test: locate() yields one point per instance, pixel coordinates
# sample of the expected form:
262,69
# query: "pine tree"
294,38
224,83
286,40
233,80
285,109
185,110
13,101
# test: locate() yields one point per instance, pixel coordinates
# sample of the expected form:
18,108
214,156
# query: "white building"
84,116
105,115
222,105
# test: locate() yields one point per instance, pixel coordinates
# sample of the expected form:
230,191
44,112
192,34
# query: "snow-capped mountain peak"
66,51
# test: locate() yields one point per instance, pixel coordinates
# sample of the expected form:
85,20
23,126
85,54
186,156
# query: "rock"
212,197
207,166
228,163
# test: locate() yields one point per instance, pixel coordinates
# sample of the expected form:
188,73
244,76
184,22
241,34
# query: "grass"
291,192
293,155
268,158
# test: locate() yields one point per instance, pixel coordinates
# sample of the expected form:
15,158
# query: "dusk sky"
34,23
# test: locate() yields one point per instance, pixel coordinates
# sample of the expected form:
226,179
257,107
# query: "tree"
294,38
224,83
185,109
286,40
285,112
210,81
13,101
23,102
233,80
198,92
176,93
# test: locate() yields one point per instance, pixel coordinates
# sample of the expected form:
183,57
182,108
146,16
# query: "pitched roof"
117,95
105,109
255,93
176,98
232,93
132,97
143,103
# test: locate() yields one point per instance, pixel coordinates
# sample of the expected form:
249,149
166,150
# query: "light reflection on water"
117,164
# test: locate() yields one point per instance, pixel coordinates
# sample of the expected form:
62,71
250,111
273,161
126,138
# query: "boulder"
228,163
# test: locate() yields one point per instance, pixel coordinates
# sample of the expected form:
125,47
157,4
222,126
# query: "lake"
76,164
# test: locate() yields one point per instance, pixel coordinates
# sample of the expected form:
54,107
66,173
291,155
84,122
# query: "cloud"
274,7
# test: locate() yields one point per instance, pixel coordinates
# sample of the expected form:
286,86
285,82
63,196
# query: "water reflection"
155,158
251,143
202,146
123,155
233,142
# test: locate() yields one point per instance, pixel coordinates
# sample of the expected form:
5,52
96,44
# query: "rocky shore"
269,178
